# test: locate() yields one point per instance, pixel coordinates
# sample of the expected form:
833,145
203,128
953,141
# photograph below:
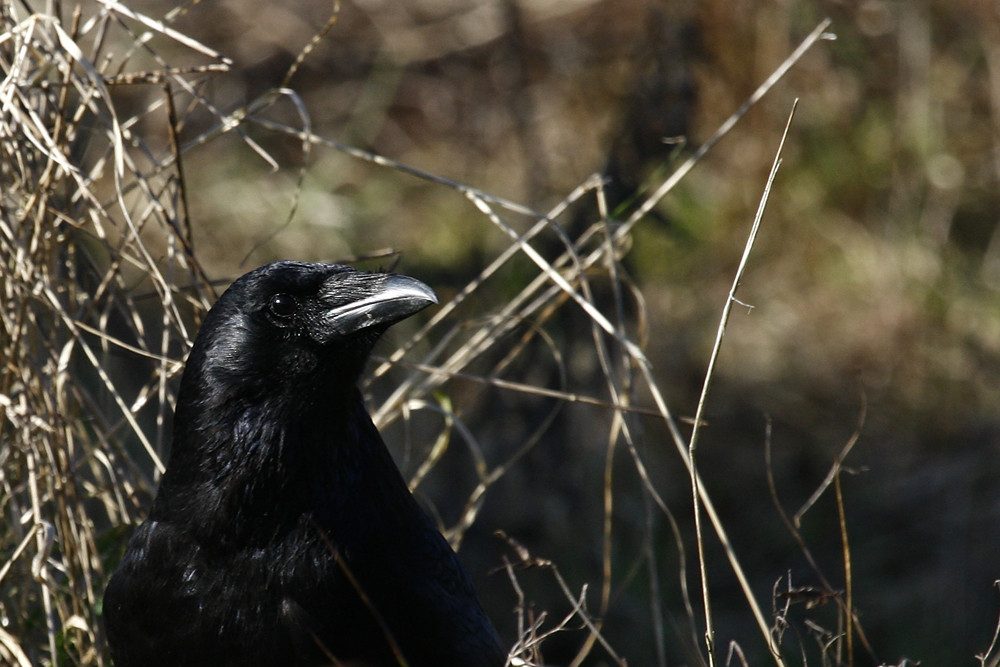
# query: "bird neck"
259,476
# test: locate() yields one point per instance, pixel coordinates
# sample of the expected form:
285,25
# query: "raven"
282,532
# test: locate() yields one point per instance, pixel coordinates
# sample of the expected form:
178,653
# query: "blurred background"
872,304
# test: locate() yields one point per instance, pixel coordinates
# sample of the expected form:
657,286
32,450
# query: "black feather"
282,532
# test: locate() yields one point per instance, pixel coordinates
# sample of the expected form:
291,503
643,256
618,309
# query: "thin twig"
848,578
700,411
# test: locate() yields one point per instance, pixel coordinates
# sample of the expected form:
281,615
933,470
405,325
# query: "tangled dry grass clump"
99,288
102,288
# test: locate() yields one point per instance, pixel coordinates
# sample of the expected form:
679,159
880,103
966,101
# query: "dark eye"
282,305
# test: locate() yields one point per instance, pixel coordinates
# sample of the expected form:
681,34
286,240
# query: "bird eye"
282,305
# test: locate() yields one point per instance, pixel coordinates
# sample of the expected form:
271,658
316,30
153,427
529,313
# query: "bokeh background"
873,291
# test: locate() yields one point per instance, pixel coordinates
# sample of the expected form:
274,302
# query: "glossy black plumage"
282,532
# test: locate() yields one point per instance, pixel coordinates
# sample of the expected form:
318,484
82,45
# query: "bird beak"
390,298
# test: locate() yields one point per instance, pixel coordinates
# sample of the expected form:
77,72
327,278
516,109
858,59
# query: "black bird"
282,532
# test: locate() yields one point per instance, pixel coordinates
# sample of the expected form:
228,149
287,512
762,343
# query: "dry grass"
102,289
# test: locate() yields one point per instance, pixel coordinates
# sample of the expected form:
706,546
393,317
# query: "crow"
282,532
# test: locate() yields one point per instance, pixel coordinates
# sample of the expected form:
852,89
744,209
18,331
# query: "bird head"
290,326
267,391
